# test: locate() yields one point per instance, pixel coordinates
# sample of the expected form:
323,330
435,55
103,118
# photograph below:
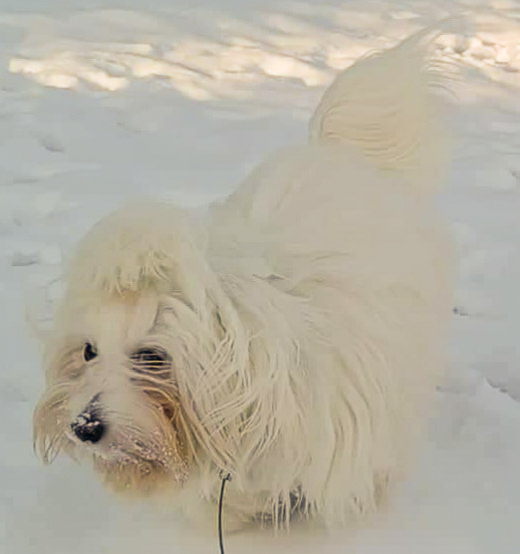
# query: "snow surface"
178,100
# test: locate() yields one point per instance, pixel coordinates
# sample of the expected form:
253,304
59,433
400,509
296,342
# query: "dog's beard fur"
134,460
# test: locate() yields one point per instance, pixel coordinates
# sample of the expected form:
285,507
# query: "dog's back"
377,152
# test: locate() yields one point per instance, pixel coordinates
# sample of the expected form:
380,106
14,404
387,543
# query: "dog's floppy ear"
138,247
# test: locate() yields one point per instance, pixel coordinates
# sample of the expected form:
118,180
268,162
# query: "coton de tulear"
292,337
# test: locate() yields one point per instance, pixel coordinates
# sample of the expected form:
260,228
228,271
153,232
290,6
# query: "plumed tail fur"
384,106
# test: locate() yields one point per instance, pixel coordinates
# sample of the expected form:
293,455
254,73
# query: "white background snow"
178,100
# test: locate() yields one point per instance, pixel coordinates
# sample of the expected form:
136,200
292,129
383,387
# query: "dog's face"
112,394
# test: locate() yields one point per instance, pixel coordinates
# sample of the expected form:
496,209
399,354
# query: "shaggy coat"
293,336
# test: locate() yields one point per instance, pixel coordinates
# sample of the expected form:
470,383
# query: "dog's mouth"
121,458
136,452
133,465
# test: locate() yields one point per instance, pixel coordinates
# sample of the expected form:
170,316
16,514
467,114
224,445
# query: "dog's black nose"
88,428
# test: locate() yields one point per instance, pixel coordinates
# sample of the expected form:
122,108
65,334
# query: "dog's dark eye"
89,352
150,357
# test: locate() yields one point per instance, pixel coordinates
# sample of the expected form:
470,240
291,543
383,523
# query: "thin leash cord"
220,504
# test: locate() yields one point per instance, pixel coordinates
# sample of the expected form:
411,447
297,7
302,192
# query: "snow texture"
176,100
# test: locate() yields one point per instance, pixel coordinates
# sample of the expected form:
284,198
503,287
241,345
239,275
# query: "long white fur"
306,314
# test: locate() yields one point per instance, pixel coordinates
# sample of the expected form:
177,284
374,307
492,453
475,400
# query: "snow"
175,100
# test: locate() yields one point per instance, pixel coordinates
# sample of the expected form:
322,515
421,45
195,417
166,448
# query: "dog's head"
160,365
133,335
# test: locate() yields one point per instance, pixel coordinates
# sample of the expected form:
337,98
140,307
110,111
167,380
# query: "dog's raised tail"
384,105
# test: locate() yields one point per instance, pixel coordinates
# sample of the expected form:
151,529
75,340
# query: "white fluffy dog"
292,337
